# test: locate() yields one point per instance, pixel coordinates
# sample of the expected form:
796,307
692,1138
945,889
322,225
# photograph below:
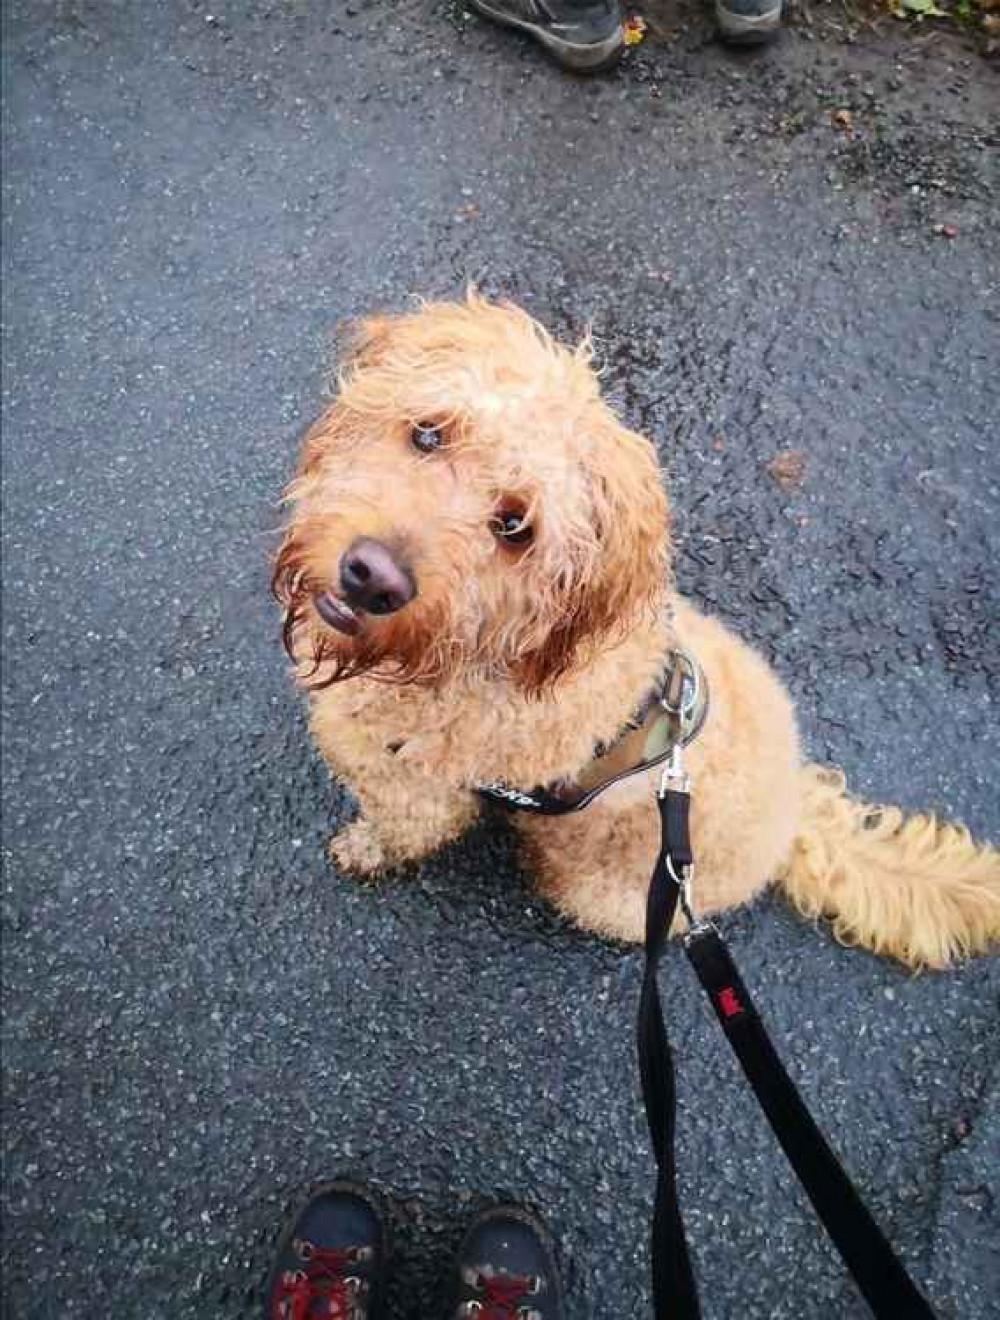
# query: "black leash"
679,704
878,1273
675,1294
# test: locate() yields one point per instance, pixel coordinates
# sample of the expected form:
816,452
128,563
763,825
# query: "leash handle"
880,1276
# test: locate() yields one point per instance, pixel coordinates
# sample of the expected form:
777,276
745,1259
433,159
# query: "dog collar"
670,716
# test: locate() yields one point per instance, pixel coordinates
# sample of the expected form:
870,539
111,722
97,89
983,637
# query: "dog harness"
670,717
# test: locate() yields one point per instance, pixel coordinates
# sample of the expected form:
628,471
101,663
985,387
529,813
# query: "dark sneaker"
583,35
506,1270
748,22
332,1260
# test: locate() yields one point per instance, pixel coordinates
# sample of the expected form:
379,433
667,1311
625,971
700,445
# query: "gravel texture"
201,1016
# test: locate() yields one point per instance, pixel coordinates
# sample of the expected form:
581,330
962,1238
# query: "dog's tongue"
337,614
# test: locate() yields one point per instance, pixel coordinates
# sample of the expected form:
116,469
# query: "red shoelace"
323,1287
501,1295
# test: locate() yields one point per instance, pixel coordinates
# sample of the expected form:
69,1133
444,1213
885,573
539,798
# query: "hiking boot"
583,35
332,1259
748,22
506,1270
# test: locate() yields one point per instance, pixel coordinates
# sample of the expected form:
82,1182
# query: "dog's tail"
915,888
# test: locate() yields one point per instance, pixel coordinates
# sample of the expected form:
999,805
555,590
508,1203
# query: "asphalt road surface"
201,1016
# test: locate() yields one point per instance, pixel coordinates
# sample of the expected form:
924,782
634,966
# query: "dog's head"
467,505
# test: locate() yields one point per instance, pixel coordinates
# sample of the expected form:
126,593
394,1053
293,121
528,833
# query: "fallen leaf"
788,468
844,120
923,8
634,30
946,231
795,122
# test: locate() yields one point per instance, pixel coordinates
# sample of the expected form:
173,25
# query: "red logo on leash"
729,1002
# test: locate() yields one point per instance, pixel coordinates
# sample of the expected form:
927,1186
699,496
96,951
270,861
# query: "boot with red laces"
332,1260
506,1270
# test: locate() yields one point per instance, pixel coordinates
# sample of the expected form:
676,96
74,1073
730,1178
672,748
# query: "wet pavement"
201,1016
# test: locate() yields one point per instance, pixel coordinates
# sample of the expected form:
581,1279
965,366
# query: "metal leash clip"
684,883
674,776
682,688
680,698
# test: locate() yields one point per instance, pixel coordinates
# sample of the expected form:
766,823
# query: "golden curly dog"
477,588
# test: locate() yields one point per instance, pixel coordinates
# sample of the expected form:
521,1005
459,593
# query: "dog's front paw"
357,849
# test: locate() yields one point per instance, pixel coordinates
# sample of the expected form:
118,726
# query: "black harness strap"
884,1283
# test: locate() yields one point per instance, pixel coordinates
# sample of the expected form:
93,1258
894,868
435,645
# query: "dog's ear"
628,572
632,522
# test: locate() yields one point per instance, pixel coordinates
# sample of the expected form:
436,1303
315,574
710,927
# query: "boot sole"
589,58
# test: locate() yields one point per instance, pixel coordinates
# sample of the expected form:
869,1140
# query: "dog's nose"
373,579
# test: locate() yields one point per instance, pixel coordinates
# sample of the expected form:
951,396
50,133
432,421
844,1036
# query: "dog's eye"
508,525
426,437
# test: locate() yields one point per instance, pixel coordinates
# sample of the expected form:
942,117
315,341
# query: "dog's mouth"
337,613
